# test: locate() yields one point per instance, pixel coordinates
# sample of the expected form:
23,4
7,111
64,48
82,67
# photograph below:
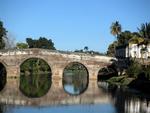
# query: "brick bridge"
12,59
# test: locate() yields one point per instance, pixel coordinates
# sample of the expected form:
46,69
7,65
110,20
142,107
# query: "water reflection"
99,108
2,76
127,100
93,100
35,85
75,79
35,78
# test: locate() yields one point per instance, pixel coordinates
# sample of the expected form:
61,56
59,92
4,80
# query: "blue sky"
72,24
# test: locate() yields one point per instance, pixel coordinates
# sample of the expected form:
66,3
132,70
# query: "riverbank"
140,84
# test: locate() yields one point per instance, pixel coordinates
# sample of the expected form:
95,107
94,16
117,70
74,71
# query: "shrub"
134,69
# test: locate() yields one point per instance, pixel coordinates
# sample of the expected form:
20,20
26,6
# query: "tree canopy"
42,42
111,49
21,45
127,37
3,36
144,30
115,28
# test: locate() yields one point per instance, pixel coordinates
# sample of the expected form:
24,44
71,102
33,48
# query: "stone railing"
32,51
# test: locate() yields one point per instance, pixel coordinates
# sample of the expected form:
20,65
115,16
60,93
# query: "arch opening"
35,77
105,74
75,78
3,75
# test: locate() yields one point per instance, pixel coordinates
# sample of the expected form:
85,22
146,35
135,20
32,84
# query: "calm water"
93,100
98,108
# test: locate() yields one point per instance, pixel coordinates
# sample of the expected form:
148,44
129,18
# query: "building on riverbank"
137,51
133,51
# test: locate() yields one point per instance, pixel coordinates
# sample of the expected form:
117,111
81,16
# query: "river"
58,99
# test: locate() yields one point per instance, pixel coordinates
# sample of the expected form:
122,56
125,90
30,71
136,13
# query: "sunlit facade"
133,51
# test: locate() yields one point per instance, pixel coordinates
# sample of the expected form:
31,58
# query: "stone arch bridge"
57,60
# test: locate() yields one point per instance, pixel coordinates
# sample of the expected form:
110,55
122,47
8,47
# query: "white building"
133,51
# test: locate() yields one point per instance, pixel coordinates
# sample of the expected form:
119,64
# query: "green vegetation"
134,69
111,49
144,30
42,42
35,78
87,51
127,37
21,46
3,36
121,80
116,29
34,65
137,75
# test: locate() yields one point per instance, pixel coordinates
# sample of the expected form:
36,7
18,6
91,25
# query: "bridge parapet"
73,55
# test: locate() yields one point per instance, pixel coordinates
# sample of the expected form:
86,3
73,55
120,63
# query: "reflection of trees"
76,74
1,109
33,87
35,79
2,76
79,81
128,102
5,109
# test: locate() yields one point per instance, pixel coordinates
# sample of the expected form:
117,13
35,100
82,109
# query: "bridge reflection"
55,96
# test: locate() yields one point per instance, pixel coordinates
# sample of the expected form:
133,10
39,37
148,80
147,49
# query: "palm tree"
115,28
135,40
144,31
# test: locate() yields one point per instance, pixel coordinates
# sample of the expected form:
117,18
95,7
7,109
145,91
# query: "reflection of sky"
70,89
98,108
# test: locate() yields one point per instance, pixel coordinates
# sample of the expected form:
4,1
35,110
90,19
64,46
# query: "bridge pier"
13,71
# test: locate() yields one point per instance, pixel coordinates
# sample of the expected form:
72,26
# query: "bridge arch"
2,62
3,75
30,57
35,73
106,72
75,71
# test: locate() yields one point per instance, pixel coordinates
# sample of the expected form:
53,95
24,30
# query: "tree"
124,37
3,35
86,48
42,42
115,28
111,49
134,69
136,40
30,42
22,46
144,31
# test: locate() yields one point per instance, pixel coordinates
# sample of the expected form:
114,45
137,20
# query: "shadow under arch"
106,72
3,76
35,77
75,78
